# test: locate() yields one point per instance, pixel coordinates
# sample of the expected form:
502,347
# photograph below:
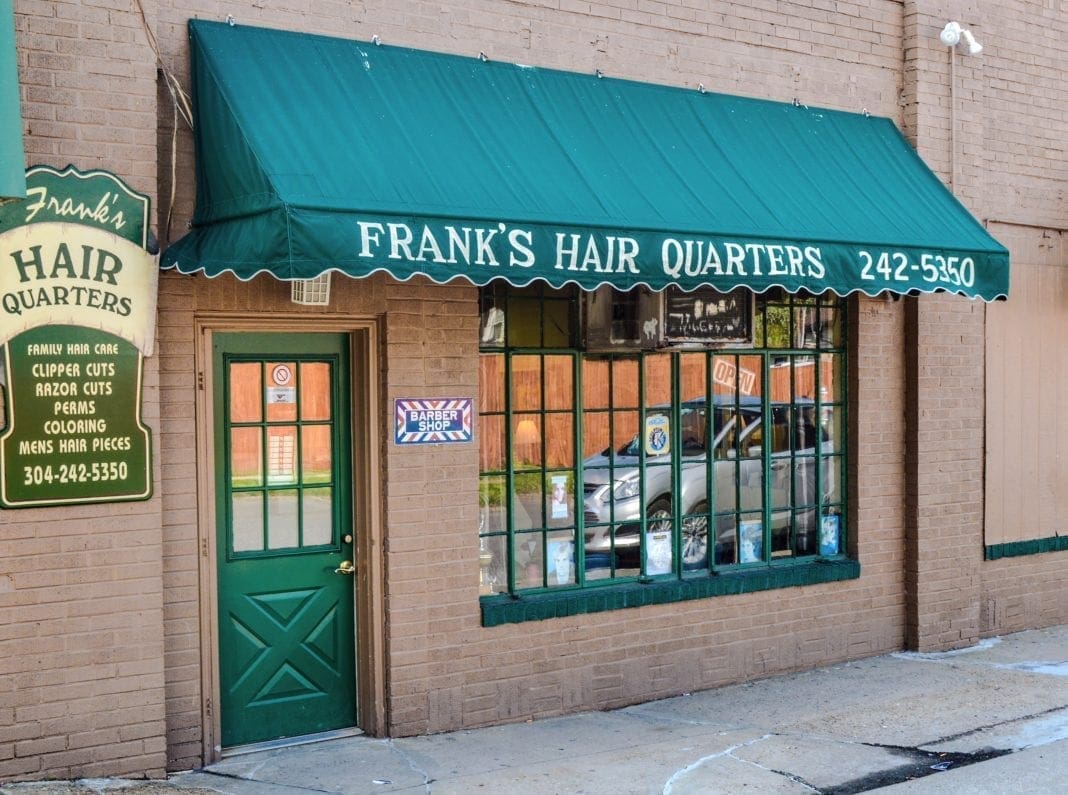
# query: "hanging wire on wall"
182,107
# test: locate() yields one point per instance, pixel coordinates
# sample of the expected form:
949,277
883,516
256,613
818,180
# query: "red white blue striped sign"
432,421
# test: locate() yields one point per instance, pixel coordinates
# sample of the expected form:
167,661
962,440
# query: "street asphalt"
992,718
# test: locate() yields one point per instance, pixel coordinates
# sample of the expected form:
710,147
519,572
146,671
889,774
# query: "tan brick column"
944,351
82,688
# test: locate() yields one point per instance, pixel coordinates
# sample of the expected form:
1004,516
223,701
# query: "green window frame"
281,458
612,478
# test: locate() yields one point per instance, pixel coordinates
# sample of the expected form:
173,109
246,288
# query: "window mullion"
509,472
577,468
817,442
711,493
676,463
643,518
767,437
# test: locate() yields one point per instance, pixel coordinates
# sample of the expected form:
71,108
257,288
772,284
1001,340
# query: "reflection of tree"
778,326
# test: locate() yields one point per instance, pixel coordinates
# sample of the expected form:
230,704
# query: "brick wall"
994,140
445,670
90,97
1025,121
81,637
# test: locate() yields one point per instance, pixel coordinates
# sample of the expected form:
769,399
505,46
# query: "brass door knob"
346,567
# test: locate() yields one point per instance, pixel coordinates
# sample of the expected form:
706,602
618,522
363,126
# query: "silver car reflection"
612,484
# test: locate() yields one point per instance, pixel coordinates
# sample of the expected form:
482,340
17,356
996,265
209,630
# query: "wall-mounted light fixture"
953,34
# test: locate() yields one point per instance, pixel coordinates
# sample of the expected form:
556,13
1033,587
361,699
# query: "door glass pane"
316,460
282,454
281,391
315,391
246,457
246,508
318,517
246,392
282,519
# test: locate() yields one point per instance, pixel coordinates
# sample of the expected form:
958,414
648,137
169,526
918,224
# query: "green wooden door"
284,532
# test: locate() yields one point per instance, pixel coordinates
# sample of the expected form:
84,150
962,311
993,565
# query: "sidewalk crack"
978,729
728,752
248,779
427,780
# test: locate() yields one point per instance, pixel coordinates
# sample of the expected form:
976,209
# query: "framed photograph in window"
751,537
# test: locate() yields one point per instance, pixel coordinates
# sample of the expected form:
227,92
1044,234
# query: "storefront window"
671,463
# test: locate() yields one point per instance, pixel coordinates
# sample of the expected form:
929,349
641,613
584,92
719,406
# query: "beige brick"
91,97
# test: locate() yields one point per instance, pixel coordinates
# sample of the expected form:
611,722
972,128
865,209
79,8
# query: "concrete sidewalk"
992,718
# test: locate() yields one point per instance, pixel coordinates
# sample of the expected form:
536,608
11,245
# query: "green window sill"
1033,547
505,609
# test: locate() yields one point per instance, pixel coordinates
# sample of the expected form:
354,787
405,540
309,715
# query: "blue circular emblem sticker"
657,438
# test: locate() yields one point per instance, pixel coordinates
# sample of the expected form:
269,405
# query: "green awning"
12,157
317,153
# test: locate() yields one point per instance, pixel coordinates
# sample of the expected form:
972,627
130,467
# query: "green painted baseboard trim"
498,610
1033,547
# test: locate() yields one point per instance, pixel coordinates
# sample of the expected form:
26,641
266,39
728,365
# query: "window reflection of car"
613,487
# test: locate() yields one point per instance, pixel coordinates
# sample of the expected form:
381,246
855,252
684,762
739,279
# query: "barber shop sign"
77,317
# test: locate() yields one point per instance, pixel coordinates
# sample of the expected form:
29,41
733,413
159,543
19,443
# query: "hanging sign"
705,315
432,421
77,318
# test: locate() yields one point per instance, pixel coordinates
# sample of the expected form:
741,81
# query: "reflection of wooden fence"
247,396
601,428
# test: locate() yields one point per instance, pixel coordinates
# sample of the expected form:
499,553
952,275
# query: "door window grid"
768,497
283,501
